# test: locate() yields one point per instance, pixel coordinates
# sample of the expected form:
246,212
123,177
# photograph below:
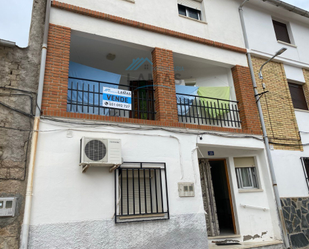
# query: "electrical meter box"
7,206
186,189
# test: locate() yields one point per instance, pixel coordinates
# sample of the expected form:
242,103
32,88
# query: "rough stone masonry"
19,69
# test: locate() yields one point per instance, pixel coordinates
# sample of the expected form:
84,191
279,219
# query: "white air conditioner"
100,152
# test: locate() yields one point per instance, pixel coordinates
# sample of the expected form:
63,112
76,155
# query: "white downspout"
27,211
266,142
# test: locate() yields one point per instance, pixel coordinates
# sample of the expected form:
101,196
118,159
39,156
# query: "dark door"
223,198
142,100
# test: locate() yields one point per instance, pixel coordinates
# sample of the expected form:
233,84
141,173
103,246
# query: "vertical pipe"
266,142
24,236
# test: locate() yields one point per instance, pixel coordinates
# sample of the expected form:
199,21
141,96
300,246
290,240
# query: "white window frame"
249,165
199,12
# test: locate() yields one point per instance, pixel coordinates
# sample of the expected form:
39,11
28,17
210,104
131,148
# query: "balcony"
96,63
207,111
85,96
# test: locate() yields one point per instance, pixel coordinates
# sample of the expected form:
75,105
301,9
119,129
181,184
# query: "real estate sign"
116,98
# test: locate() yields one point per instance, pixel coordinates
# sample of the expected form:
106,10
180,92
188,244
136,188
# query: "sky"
303,4
15,19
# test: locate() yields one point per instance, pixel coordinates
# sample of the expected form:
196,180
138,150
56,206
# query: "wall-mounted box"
186,189
7,206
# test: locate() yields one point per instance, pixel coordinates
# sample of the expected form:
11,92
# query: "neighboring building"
195,168
19,73
271,26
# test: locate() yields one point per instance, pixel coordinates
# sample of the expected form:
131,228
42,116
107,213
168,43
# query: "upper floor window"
191,12
305,162
298,96
281,31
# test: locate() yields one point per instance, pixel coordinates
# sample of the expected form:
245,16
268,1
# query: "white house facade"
149,133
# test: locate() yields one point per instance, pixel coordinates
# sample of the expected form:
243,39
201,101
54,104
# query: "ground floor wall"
181,231
73,209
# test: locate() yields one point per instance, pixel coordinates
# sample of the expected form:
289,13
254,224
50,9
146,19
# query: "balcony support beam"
164,85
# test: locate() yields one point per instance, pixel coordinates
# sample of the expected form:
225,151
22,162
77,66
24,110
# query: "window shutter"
191,3
244,162
140,185
298,97
281,31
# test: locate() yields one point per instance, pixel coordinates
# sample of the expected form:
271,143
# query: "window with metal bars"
305,163
141,192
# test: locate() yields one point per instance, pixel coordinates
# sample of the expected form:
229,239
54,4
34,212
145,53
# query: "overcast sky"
304,4
15,19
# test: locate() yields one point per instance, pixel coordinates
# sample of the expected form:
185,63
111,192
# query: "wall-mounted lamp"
276,54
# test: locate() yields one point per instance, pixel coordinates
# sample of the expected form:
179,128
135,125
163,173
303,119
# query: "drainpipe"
265,137
27,211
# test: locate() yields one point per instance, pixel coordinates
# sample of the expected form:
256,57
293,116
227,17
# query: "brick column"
57,70
164,85
248,111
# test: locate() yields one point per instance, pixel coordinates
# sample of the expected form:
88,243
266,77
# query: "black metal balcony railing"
85,96
207,111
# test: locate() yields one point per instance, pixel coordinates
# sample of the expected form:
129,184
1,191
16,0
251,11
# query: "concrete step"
250,245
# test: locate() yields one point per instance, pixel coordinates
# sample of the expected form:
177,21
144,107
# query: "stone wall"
19,69
296,215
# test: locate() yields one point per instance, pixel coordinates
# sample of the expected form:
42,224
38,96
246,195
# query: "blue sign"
116,98
211,153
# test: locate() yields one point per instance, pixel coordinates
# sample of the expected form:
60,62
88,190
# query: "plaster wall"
145,38
262,38
260,220
288,167
165,14
64,197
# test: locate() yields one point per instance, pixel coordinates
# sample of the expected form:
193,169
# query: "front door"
217,197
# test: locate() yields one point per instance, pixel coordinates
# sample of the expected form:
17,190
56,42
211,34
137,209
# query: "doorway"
142,99
217,197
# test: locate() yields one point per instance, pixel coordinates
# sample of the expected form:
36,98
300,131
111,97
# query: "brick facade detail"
164,85
277,106
245,95
57,69
56,85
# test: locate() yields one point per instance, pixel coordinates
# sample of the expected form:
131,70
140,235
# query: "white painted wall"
63,194
251,221
219,15
288,168
262,36
145,38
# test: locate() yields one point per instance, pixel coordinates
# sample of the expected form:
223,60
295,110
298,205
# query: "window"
298,96
189,12
246,173
141,193
281,31
305,162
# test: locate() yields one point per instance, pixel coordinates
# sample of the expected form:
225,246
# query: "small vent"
95,150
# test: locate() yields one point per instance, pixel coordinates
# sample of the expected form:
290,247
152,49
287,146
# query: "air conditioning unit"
100,152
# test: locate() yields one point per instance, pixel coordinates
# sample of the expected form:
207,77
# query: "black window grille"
85,96
305,163
207,111
141,192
